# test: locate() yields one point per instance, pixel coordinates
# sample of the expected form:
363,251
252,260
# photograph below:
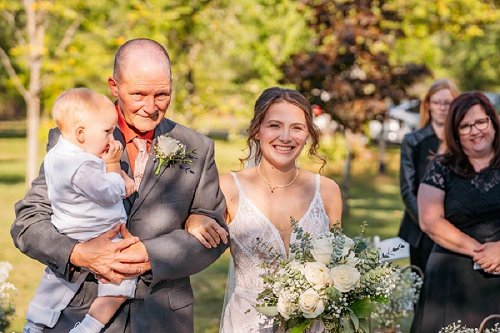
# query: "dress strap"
236,180
318,179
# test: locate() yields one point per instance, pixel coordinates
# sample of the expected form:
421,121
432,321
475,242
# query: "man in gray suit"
166,254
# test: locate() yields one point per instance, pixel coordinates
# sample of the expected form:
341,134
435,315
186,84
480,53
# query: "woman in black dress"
416,151
459,208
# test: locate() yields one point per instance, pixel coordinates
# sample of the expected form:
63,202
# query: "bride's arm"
207,230
332,200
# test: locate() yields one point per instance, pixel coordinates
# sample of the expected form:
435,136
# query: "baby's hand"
206,230
129,184
114,152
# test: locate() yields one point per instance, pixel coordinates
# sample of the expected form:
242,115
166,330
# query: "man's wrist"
74,257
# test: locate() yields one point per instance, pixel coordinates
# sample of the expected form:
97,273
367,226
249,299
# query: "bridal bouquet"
331,278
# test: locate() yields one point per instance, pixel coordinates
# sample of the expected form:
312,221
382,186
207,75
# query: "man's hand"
206,230
106,259
134,249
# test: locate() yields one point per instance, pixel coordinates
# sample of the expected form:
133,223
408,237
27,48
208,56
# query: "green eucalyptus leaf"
302,326
355,321
345,324
363,323
362,308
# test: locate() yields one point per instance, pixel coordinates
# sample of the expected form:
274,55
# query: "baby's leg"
100,313
104,308
109,299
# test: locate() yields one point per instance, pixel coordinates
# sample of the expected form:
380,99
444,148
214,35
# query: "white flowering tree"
401,301
7,309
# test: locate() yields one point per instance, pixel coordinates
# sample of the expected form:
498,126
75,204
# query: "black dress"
452,289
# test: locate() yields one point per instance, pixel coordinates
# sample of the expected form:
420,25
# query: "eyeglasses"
480,124
441,103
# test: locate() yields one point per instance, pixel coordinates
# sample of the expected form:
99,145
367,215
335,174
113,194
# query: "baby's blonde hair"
72,107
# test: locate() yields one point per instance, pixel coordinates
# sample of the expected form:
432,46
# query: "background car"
403,118
400,120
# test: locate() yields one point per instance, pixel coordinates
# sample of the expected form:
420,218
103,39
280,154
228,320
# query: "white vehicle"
401,120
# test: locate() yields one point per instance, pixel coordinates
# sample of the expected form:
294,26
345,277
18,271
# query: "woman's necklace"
272,188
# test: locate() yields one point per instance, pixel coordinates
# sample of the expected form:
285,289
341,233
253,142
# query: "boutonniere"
170,151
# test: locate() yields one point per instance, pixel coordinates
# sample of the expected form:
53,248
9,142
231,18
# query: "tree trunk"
346,182
36,33
33,122
381,150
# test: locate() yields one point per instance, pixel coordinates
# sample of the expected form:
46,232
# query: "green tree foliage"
350,73
220,49
223,52
456,38
32,48
239,48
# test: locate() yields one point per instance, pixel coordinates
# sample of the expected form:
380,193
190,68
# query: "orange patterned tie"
140,160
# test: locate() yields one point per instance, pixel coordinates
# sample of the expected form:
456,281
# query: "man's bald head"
136,50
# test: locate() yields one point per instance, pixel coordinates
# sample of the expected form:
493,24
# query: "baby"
85,186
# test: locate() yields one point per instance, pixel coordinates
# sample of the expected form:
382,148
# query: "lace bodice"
470,204
252,234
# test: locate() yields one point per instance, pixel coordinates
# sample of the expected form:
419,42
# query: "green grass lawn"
374,198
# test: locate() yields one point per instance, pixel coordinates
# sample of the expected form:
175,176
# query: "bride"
261,199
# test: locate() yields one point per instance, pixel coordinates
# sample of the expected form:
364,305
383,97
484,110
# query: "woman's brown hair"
455,156
272,96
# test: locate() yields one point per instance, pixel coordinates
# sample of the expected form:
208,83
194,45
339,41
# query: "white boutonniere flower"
170,151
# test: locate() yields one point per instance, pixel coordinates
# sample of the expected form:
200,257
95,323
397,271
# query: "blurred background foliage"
225,52
353,58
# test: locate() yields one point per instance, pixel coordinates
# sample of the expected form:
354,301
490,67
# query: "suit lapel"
150,179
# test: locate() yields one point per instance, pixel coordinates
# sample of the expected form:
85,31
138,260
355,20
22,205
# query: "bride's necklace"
272,188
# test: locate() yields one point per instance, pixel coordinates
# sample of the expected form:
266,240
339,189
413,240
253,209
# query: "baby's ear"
80,133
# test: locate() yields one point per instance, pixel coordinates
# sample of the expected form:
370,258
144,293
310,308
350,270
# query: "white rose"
351,260
296,265
311,304
167,145
317,274
285,307
348,244
322,249
344,278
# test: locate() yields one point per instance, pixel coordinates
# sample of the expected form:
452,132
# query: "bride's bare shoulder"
332,199
227,183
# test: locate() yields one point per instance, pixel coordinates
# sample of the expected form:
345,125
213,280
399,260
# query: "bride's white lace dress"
251,236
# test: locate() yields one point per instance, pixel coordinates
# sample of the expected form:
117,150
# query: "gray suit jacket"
157,214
